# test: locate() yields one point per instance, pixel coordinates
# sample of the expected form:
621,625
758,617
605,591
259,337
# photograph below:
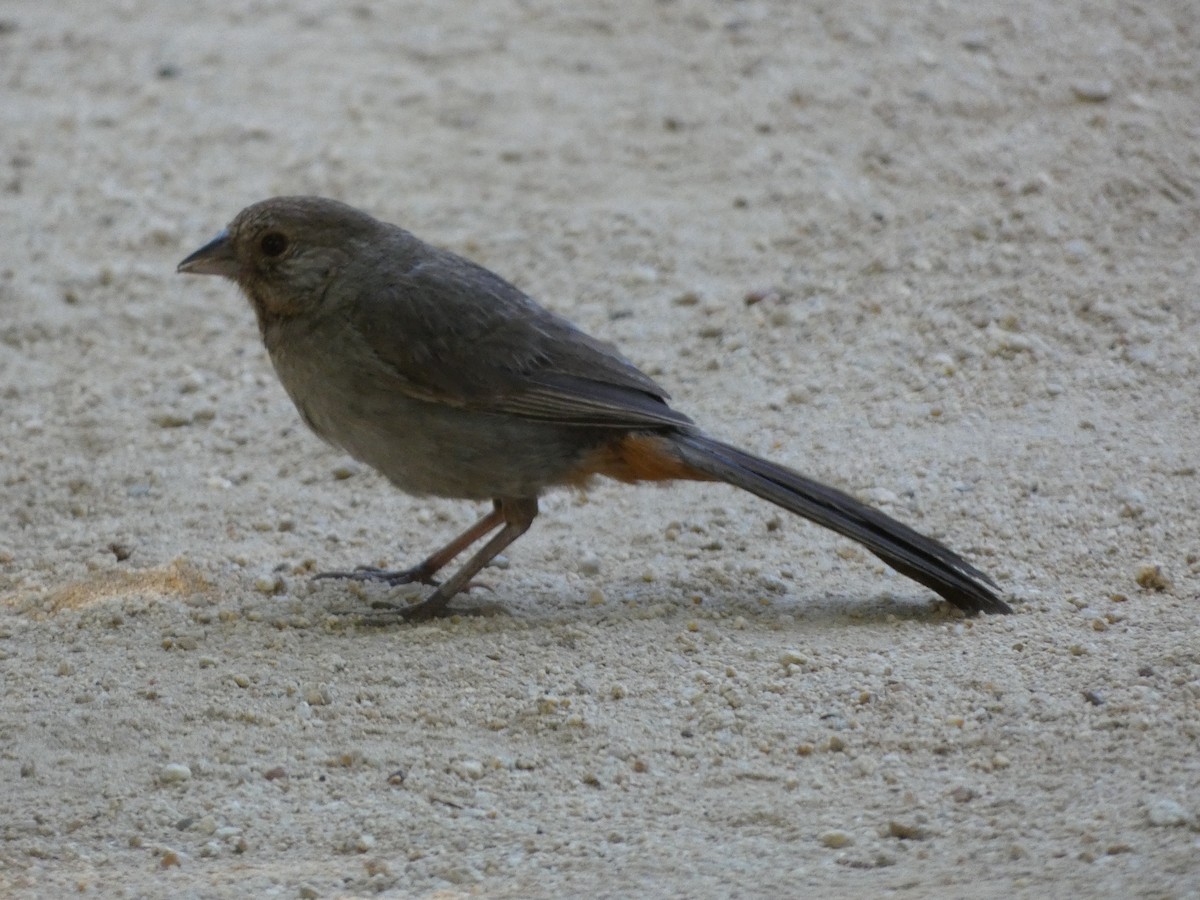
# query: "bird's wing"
453,332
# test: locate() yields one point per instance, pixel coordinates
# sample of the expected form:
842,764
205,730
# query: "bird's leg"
423,572
517,514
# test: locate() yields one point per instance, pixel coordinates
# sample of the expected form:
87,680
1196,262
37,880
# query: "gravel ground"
941,256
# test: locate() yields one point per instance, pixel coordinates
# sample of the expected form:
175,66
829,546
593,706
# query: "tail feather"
905,550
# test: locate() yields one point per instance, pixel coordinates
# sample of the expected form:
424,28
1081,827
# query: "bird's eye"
273,243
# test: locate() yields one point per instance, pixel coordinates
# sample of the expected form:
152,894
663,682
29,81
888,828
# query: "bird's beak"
214,258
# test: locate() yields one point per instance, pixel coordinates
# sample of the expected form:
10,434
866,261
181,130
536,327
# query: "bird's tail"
905,550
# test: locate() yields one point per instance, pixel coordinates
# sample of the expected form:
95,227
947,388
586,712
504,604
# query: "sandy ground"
944,258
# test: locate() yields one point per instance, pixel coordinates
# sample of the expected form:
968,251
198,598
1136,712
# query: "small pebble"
173,773
782,317
318,695
171,420
268,584
1152,578
906,831
791,657
1076,250
1166,812
758,295
643,274
460,875
469,768
589,563
835,839
975,41
865,766
205,825
1092,91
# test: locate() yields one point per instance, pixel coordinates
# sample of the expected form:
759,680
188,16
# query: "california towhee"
450,381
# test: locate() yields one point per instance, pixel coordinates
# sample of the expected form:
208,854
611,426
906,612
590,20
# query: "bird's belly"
428,448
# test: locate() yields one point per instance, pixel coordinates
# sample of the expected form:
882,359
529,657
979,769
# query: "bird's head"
284,252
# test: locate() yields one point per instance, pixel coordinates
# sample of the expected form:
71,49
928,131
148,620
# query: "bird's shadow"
379,607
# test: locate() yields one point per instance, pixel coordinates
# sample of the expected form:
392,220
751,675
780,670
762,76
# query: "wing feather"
450,331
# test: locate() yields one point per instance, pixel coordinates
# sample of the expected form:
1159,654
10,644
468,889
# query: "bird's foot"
434,606
392,578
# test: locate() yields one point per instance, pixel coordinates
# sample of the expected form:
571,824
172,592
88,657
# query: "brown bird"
452,382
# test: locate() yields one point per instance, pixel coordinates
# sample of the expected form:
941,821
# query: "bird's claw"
393,578
390,613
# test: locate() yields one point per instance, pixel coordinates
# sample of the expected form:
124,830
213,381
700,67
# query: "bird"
452,382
